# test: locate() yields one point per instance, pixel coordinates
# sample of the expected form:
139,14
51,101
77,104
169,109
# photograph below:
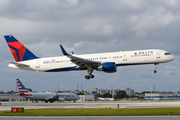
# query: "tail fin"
22,90
18,50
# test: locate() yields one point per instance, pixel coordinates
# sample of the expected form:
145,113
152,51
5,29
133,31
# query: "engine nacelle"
108,67
61,99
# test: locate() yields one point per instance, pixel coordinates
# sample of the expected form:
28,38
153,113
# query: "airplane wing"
53,97
49,98
80,62
18,64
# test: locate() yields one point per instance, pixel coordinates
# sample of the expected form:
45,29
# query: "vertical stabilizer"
22,90
18,50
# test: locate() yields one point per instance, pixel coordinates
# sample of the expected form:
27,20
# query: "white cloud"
86,26
107,30
119,5
157,18
172,3
73,2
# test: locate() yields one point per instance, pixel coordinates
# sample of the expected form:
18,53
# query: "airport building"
11,97
128,91
86,98
162,96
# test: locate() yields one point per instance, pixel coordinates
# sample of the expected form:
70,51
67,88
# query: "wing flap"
80,62
53,97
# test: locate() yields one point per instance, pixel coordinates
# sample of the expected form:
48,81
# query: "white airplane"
110,99
45,96
106,62
101,99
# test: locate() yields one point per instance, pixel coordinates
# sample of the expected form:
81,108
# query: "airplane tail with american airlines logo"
22,90
18,50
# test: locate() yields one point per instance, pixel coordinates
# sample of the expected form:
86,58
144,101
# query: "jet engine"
61,99
108,67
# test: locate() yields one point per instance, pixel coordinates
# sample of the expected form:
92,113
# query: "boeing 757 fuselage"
106,62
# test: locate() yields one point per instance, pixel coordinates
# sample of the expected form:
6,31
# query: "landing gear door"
124,58
158,55
37,65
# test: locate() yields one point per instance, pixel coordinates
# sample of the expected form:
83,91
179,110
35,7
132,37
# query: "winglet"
63,50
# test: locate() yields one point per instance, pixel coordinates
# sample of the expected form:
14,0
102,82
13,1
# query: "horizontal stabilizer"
18,64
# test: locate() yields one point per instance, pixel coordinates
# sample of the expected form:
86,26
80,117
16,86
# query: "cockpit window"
167,53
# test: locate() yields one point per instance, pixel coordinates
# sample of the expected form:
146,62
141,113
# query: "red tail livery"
22,90
18,50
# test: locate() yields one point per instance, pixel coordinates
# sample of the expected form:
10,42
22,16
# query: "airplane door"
124,58
37,65
158,55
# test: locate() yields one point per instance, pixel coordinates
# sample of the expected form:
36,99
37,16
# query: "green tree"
98,95
133,96
121,94
29,89
80,93
1,92
107,95
11,92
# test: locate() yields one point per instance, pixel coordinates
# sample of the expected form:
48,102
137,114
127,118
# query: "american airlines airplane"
45,96
106,62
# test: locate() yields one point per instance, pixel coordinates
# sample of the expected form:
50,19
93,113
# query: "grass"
95,112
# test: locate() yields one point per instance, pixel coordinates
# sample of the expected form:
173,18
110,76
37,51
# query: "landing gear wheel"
46,101
155,67
87,77
91,76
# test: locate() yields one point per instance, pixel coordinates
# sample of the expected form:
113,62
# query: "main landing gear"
155,67
90,70
89,76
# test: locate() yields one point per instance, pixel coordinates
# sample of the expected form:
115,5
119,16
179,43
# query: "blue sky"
91,26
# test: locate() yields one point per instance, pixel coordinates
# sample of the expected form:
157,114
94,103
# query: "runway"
8,105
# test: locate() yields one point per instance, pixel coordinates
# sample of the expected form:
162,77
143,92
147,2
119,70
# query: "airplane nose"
173,58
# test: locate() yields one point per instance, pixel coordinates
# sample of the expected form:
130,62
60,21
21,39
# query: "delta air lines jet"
45,96
106,62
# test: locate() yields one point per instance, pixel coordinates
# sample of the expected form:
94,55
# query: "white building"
102,91
86,98
128,91
11,97
162,96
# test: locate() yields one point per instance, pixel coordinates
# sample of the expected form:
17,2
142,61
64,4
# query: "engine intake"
108,67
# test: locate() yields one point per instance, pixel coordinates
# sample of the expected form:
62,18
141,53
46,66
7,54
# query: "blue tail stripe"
10,38
22,85
29,55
